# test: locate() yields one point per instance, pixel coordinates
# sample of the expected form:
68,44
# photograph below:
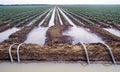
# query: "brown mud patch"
4,27
54,35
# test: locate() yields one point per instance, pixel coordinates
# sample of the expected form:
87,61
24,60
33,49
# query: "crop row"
20,14
109,13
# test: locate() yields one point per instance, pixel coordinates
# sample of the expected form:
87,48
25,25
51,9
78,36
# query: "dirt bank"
105,35
54,34
19,36
62,52
4,27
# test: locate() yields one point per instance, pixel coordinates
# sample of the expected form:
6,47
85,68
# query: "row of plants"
110,13
20,14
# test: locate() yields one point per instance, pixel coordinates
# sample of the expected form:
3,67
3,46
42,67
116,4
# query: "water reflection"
5,35
37,36
81,35
113,31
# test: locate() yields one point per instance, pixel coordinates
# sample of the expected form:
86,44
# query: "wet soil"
47,20
4,27
54,34
19,36
62,52
105,35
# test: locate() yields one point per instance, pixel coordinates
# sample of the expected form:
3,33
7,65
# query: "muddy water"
113,31
37,36
5,35
57,67
51,23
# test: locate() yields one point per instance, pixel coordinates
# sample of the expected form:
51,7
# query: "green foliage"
19,14
97,12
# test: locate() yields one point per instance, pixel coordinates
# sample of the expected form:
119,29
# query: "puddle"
37,36
81,35
51,23
57,67
113,31
5,35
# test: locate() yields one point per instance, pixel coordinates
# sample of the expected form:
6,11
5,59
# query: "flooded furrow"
113,31
56,20
47,19
37,36
76,22
59,17
80,34
105,35
30,23
19,36
5,35
51,23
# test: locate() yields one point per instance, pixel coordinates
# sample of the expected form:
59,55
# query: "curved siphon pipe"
86,53
110,51
10,54
18,55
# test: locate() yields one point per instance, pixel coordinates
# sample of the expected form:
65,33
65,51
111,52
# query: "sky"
59,1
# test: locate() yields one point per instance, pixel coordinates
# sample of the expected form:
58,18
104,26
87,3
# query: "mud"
54,34
106,36
19,36
62,52
4,27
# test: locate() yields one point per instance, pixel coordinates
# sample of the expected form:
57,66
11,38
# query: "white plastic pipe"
110,51
18,55
10,54
86,52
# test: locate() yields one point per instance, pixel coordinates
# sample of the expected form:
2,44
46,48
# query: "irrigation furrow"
37,35
102,24
56,20
59,17
19,36
47,19
106,36
51,23
77,22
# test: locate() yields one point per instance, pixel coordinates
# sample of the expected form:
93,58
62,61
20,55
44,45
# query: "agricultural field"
85,33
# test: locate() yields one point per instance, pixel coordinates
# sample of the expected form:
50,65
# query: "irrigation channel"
59,35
